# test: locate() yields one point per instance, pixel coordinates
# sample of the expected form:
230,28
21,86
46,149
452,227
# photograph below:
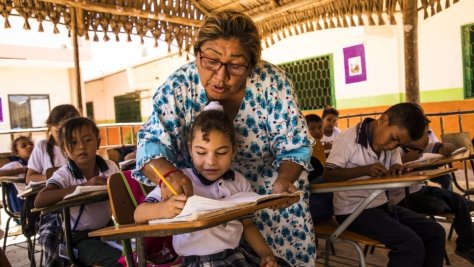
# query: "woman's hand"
180,182
282,185
268,261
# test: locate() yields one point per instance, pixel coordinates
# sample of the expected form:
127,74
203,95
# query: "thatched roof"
177,21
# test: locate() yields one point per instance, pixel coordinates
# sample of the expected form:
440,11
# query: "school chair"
461,139
125,194
325,224
10,205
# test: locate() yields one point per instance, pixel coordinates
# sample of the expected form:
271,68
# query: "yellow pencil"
164,181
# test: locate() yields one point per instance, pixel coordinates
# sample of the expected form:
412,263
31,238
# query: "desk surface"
86,198
166,229
12,179
434,163
380,183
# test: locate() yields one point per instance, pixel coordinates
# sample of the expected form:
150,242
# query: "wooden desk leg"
141,252
466,174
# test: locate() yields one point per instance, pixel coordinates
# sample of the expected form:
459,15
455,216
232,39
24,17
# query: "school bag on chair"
158,250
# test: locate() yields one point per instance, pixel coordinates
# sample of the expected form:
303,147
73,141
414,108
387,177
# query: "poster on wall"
1,113
354,63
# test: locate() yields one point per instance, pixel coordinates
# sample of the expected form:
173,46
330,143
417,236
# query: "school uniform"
413,239
330,139
49,231
435,200
219,244
91,251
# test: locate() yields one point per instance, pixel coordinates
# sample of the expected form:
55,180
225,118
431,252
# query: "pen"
164,180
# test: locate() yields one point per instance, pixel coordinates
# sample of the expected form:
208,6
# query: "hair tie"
214,105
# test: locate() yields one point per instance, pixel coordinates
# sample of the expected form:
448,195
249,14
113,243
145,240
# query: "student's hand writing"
396,169
96,180
376,170
173,206
446,149
180,182
268,261
411,155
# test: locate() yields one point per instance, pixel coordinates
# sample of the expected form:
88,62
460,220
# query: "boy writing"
370,149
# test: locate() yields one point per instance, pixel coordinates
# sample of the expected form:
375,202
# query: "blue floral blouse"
270,129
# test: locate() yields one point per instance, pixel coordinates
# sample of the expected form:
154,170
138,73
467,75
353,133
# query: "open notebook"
82,189
198,207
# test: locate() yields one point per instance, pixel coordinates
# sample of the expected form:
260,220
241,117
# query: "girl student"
79,139
47,154
21,149
211,145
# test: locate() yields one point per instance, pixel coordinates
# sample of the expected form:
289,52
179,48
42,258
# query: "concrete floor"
345,254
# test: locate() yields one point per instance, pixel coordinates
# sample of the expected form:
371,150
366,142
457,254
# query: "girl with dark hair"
79,140
45,155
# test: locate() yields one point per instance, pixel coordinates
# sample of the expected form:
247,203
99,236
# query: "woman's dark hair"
330,110
408,116
56,116
213,120
16,141
68,127
231,24
312,118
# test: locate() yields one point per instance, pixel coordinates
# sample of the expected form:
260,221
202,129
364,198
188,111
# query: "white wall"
439,52
27,81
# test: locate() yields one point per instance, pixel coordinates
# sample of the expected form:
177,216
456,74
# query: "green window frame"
313,80
467,39
127,108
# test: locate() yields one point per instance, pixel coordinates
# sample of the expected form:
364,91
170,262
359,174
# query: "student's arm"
50,195
257,243
13,172
344,174
147,211
34,176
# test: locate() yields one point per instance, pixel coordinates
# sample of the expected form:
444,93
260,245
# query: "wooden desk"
140,231
379,185
64,206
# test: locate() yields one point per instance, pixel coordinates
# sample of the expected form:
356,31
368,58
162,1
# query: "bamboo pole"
76,60
125,11
410,37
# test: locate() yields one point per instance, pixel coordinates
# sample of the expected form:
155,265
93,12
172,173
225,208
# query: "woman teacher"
274,146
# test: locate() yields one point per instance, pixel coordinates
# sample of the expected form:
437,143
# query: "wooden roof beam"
284,8
125,11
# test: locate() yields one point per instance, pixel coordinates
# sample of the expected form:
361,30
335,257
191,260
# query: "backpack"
29,220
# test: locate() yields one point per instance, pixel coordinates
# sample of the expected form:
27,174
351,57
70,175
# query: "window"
28,111
127,108
313,81
468,59
90,110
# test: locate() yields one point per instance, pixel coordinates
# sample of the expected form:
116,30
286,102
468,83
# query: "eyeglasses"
215,65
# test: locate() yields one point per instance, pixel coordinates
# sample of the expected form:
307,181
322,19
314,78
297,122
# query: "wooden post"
77,67
410,37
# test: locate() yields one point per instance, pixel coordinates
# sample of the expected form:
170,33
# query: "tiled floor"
345,254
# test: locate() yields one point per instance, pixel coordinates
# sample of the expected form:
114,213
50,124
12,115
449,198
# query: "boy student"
330,116
435,200
370,149
318,158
